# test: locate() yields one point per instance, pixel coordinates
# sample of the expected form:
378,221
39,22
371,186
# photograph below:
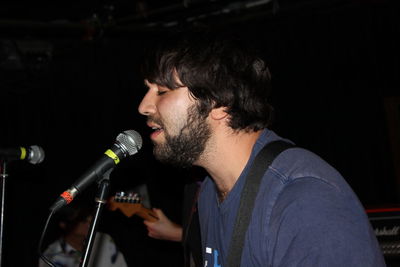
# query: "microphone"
32,154
126,144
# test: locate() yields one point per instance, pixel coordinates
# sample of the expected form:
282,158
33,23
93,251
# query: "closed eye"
161,92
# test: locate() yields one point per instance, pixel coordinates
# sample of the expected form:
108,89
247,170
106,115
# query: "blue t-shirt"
305,214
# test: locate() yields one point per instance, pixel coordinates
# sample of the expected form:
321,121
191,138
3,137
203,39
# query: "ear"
218,113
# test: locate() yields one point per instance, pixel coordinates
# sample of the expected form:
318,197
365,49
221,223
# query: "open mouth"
156,130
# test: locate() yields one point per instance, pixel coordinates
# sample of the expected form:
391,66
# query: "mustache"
154,120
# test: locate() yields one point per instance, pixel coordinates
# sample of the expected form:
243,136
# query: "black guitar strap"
191,238
249,194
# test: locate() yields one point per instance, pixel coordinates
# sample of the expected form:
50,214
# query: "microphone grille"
131,140
36,154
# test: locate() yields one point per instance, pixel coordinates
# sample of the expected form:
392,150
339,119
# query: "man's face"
80,230
82,227
180,133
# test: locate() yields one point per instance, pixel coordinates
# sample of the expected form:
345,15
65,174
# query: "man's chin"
159,154
171,159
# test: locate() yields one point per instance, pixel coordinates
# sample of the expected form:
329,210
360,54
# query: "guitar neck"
147,214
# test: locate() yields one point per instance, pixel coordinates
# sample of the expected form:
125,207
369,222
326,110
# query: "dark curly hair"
219,71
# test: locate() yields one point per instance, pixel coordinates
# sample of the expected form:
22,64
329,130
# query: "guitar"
131,204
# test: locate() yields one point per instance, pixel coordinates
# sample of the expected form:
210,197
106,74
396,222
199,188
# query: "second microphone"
127,143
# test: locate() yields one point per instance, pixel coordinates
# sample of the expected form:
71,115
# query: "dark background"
69,82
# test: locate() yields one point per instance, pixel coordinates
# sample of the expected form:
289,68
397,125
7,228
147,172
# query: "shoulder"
105,252
54,247
300,185
103,238
306,179
298,163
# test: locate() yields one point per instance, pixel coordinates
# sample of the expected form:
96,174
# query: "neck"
227,158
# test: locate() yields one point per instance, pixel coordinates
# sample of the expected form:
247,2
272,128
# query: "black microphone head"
35,154
131,141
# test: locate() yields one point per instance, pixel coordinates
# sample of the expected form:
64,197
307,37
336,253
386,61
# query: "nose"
147,105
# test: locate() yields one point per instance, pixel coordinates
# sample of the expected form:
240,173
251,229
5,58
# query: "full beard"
183,149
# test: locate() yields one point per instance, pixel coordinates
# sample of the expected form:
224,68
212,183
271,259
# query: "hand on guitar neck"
131,205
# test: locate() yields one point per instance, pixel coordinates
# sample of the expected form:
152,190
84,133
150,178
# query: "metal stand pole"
100,200
3,176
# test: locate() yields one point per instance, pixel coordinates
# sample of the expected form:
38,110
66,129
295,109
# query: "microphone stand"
3,176
100,199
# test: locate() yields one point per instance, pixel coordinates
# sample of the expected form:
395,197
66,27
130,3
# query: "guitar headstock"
130,204
122,197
